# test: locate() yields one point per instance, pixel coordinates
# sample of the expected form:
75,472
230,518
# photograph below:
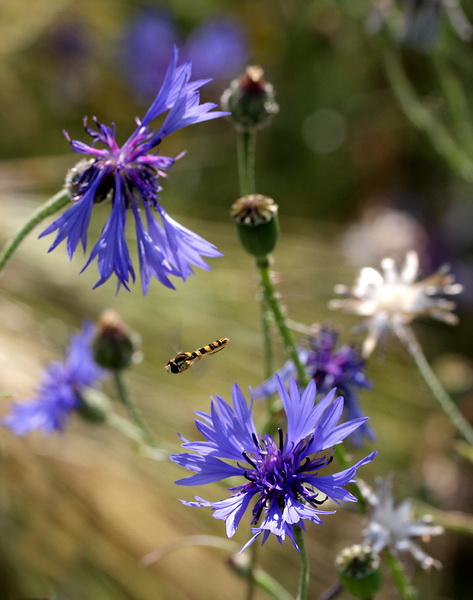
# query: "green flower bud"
95,406
250,99
256,217
113,346
359,571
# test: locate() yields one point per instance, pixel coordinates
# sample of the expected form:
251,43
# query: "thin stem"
455,101
50,207
266,326
131,408
446,403
124,427
291,349
406,590
280,319
422,118
251,587
246,174
246,161
304,575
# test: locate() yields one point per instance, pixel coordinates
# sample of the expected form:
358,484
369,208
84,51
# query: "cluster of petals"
284,480
60,390
329,365
129,176
392,525
392,298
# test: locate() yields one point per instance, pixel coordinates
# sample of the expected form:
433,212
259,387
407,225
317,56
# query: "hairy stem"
406,590
50,207
246,161
446,403
304,575
423,119
132,409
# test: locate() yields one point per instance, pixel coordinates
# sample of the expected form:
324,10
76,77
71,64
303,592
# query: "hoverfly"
184,360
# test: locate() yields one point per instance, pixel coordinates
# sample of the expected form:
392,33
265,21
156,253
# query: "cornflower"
391,299
329,366
60,391
129,175
392,525
283,475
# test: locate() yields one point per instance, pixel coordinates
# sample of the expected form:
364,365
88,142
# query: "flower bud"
95,406
113,344
250,99
256,217
359,570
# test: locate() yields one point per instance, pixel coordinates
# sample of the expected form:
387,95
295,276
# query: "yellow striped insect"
182,361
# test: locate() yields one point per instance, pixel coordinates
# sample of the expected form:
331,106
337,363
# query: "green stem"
246,161
266,326
422,118
455,101
246,173
291,349
304,575
280,319
406,590
446,403
251,579
131,408
124,427
50,207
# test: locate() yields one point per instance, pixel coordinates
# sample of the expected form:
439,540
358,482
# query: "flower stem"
246,161
406,590
50,207
131,408
124,427
305,568
423,118
446,403
251,588
280,319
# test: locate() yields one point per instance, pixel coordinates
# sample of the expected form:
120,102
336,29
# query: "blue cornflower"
145,47
330,366
129,175
282,475
59,392
219,48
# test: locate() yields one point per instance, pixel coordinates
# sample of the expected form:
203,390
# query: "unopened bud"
250,99
95,406
256,217
113,345
359,570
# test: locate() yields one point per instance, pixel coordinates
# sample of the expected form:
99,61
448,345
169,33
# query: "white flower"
392,525
391,299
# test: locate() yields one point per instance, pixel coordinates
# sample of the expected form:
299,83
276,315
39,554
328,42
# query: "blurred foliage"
79,510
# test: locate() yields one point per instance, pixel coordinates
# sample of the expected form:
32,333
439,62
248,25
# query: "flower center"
397,298
279,474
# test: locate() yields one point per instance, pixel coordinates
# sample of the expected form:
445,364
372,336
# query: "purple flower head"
59,392
283,477
330,366
129,175
145,48
218,48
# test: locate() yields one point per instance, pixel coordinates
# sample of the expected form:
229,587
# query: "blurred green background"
79,510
